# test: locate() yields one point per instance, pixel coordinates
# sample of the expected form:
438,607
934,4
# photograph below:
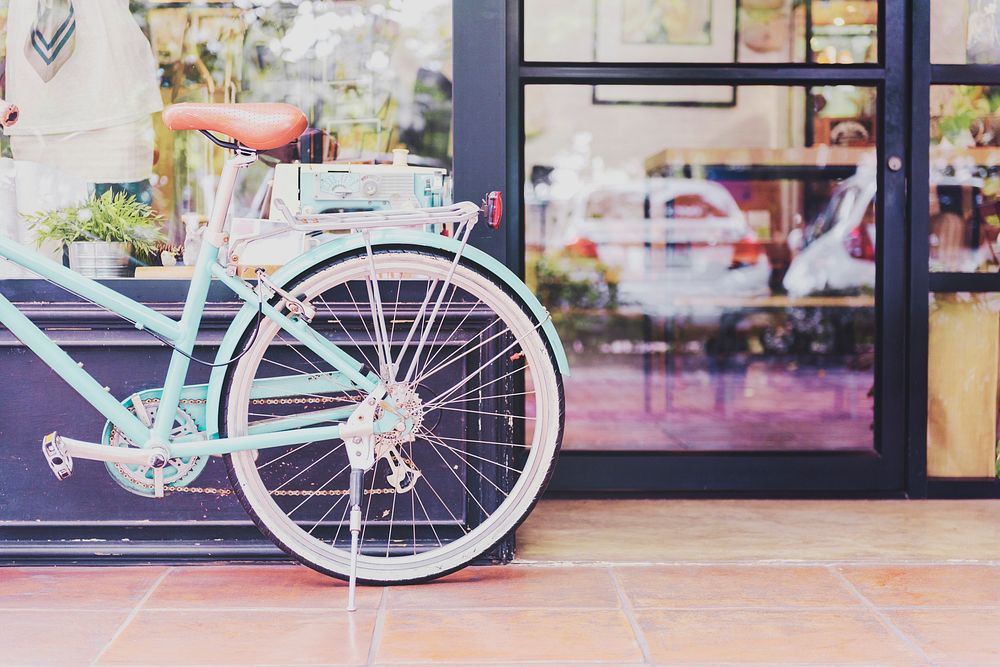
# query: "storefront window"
963,367
843,32
965,178
965,32
371,75
708,254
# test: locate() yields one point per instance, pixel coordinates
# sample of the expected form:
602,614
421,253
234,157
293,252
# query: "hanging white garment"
110,79
119,154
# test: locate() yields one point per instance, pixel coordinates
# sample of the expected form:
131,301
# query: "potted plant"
101,234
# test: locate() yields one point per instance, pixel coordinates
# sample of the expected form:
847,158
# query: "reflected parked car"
836,251
671,239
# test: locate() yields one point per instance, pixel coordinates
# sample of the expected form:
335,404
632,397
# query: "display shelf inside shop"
817,157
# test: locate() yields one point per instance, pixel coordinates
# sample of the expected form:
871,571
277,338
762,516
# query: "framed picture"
666,31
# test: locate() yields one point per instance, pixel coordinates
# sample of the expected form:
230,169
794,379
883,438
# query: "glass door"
714,214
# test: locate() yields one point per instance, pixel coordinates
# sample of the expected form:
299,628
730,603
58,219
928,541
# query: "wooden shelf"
816,156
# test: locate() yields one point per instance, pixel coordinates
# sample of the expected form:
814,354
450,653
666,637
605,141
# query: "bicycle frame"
182,335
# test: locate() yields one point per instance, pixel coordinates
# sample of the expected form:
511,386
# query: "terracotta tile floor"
597,582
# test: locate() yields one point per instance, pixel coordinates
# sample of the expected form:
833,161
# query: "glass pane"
964,178
710,31
711,270
965,32
371,75
963,363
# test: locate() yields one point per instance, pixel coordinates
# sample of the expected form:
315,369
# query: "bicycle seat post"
240,160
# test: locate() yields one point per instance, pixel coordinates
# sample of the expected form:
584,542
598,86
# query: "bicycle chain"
289,492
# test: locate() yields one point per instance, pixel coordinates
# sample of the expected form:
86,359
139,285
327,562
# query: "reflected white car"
671,240
837,250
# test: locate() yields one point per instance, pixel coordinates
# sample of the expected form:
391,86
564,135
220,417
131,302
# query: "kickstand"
357,484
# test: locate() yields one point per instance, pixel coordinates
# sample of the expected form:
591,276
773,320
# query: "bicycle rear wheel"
486,397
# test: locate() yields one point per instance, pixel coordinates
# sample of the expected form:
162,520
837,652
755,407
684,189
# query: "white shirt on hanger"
110,79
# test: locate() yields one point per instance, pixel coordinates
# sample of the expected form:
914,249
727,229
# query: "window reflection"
711,269
841,32
371,75
962,378
964,178
965,32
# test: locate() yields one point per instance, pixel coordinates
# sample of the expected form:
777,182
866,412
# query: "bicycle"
344,358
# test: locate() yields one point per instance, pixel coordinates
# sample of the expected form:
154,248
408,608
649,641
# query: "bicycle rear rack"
460,213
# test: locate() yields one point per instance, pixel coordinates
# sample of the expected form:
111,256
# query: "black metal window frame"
893,468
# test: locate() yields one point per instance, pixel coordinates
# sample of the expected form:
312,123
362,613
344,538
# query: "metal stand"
357,484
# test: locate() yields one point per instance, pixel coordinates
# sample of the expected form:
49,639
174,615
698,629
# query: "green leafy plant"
111,217
965,105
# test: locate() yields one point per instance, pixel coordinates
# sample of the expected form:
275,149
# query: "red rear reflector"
493,209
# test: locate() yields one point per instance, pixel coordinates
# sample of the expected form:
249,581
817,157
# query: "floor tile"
705,531
953,637
253,586
734,586
511,635
98,588
911,585
771,637
511,586
30,638
244,638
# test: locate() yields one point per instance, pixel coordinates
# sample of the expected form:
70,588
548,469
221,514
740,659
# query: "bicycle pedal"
59,461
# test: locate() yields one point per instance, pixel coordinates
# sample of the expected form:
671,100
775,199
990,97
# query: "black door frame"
893,468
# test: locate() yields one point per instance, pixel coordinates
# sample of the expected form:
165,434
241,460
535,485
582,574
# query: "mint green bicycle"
389,404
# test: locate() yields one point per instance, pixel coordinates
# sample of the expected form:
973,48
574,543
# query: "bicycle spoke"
479,399
441,320
459,353
343,326
443,503
429,522
347,508
392,515
315,491
415,326
413,508
447,465
328,512
289,481
430,404
483,367
297,351
375,301
361,317
288,453
483,412
475,456
484,442
444,345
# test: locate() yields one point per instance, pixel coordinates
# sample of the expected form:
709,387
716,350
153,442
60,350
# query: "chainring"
138,479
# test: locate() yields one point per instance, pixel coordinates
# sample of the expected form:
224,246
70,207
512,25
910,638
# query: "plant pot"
99,259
